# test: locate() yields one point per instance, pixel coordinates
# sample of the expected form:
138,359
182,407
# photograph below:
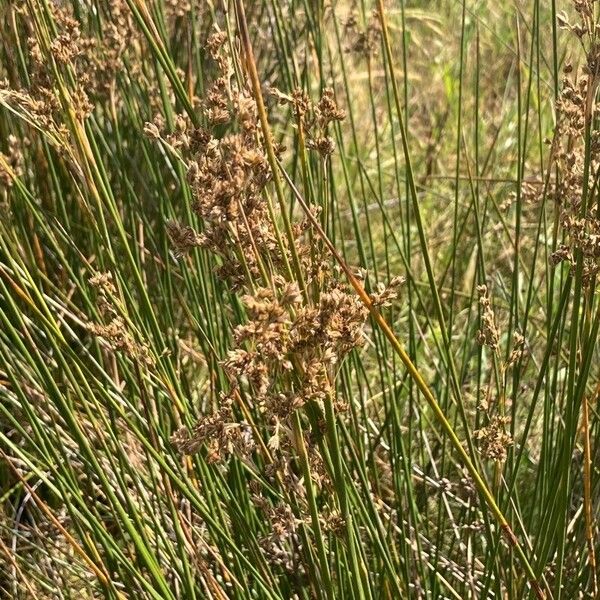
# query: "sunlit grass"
452,453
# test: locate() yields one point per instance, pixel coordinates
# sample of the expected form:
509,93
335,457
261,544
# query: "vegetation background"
298,299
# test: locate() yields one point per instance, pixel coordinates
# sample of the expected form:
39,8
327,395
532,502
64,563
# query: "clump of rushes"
200,398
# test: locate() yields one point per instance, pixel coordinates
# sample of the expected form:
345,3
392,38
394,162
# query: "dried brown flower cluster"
182,237
40,113
215,47
363,41
227,177
314,119
283,545
385,295
287,351
177,8
488,334
585,17
219,431
89,63
518,349
576,112
11,163
114,330
532,194
283,336
493,439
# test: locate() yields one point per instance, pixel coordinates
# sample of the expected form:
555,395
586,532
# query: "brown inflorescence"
493,439
363,41
488,334
83,66
286,353
113,329
11,163
314,119
577,160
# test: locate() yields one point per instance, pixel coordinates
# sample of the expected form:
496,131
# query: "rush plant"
298,299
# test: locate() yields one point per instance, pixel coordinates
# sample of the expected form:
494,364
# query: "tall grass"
298,299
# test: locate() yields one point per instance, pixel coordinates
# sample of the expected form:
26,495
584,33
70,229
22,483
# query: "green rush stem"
454,380
424,389
100,573
312,504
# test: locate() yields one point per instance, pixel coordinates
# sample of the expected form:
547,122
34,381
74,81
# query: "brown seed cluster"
220,432
86,65
69,48
114,329
182,237
532,194
362,41
286,352
493,439
518,350
287,340
214,46
41,112
385,295
11,163
178,8
577,168
282,546
227,176
585,25
314,119
488,334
